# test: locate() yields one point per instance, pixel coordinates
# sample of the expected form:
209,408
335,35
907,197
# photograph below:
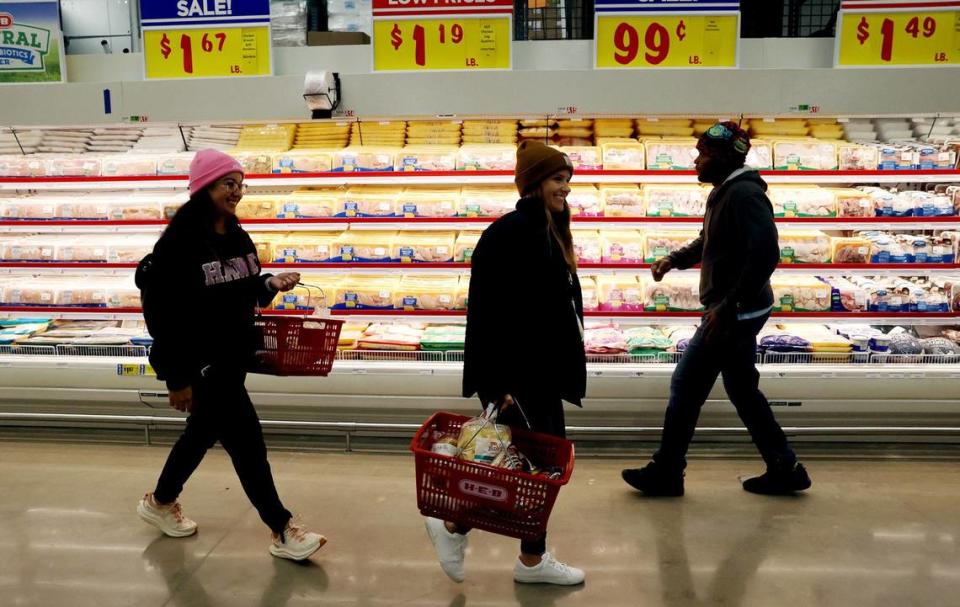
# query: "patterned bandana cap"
727,135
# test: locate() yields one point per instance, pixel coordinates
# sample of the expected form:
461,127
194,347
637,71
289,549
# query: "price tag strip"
429,35
891,33
666,34
206,38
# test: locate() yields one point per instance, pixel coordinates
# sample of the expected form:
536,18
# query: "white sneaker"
168,518
296,543
549,571
450,548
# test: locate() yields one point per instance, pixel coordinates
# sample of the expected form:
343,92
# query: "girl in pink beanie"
200,290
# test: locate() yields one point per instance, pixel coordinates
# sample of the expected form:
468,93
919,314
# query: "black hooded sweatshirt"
200,296
524,313
737,248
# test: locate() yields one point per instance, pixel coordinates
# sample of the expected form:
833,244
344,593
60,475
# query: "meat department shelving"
853,396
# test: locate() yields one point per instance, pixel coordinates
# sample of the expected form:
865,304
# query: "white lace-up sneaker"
549,571
450,548
168,518
296,543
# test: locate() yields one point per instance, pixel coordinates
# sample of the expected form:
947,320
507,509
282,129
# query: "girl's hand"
284,281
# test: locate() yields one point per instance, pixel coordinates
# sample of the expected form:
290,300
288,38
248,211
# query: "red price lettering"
886,32
186,45
627,41
456,34
656,39
929,27
420,50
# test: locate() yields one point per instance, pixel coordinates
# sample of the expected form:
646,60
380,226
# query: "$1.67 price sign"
469,37
647,38
917,33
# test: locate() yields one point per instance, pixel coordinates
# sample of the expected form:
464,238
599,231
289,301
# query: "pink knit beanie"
208,166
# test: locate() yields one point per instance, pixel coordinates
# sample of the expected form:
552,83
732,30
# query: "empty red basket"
479,496
293,345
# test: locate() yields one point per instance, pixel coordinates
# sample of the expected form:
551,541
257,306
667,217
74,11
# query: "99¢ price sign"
473,36
917,33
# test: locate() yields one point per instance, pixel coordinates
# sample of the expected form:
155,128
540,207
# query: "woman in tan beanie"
524,345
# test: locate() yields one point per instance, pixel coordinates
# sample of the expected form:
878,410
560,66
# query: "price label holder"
206,38
408,36
657,34
896,33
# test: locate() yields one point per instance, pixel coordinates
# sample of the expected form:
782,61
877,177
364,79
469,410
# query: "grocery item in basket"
445,445
481,440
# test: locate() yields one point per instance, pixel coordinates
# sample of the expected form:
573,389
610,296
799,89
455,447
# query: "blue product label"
406,253
290,298
409,209
899,259
882,257
921,258
409,302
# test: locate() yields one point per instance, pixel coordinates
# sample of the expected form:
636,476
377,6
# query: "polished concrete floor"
869,533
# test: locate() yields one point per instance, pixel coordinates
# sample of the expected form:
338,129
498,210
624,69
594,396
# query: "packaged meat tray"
852,202
604,340
83,249
487,202
849,250
492,157
320,294
29,248
258,207
364,159
622,155
310,203
620,292
584,201
670,154
432,202
427,158
465,244
760,155
397,337
622,201
264,243
365,293
299,247
853,157
368,201
886,249
85,208
588,289
587,246
31,208
584,158
175,164
802,201
73,166
362,245
800,294
675,200
646,341
444,338
625,246
810,246
22,166
426,293
426,247
662,243
897,158
130,249
805,155
677,293
128,165
314,161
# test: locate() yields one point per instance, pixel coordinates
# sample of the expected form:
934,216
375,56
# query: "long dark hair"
558,226
198,213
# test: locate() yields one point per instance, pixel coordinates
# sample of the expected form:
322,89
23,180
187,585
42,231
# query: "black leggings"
222,411
545,415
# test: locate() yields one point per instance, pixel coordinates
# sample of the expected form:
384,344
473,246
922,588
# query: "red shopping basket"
480,496
294,345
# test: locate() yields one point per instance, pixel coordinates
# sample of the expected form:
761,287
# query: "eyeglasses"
233,186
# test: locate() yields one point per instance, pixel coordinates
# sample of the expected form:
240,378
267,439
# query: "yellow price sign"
207,53
899,38
466,43
634,41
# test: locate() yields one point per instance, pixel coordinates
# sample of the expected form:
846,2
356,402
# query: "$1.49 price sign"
917,35
202,53
633,41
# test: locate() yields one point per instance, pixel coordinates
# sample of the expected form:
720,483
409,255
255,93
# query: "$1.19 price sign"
628,41
442,44
913,37
203,53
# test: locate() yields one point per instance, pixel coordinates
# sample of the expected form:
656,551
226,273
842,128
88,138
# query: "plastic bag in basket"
482,439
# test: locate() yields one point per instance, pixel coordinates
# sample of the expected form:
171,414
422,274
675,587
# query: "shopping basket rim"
558,482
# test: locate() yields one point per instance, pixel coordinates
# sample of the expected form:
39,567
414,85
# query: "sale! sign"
898,33
666,33
423,35
206,38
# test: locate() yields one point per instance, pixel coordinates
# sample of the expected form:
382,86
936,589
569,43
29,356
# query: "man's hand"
284,281
505,402
182,400
660,267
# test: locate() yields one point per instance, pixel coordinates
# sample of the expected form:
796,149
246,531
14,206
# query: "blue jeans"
734,356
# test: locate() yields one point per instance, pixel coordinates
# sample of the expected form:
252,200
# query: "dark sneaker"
779,482
653,481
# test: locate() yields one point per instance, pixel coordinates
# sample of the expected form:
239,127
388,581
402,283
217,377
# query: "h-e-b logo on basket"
490,492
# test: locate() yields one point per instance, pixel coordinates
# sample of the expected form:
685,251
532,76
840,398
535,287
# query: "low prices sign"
666,33
423,35
206,38
898,33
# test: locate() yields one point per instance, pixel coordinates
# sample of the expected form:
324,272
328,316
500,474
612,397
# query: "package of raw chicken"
128,165
620,292
423,247
429,202
426,293
856,157
89,207
804,246
83,248
365,293
670,154
258,207
852,202
34,208
487,157
464,245
368,201
305,247
622,200
463,292
320,294
77,165
623,246
392,336
584,158
363,245
313,161
130,248
426,158
254,162
31,248
846,296
622,154
263,242
310,203
760,155
805,155
675,293
660,243
680,200
849,250
22,166
584,201
800,294
587,246
607,339
174,164
588,289
802,201
487,202
364,159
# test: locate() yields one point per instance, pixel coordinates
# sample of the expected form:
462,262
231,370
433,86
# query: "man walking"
738,251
